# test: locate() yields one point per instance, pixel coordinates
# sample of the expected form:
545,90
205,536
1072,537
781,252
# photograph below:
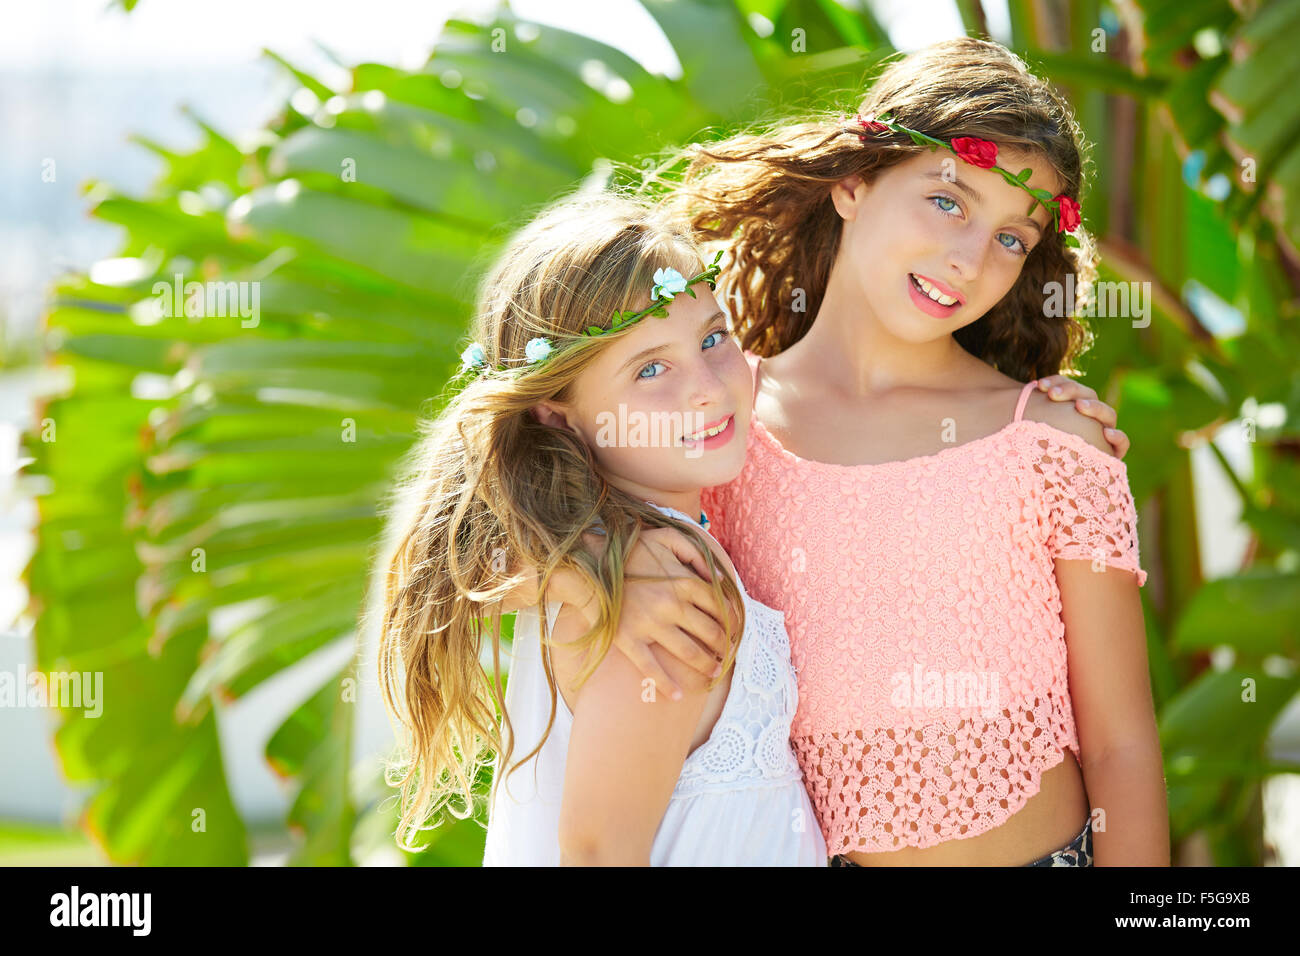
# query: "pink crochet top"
925,619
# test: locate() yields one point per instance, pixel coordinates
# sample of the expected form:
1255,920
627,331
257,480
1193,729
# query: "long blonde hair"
489,490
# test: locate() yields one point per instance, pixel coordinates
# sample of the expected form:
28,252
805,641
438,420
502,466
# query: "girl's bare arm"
626,750
1110,687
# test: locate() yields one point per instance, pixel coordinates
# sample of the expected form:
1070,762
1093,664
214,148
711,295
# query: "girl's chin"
920,329
683,474
718,471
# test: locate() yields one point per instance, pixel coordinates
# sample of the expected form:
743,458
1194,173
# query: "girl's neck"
687,502
856,354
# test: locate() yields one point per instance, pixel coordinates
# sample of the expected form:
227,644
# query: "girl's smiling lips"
949,292
928,305
720,438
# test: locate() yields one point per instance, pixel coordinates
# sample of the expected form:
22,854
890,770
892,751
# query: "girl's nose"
707,388
966,256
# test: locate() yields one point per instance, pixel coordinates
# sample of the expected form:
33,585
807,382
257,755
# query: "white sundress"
740,799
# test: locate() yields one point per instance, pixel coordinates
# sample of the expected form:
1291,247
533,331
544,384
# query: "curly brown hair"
767,195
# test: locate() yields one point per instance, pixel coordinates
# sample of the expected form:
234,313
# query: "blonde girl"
956,556
597,321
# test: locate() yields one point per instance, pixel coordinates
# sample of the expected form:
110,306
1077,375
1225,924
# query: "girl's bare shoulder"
1065,417
567,658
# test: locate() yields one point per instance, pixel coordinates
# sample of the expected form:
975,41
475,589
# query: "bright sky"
200,33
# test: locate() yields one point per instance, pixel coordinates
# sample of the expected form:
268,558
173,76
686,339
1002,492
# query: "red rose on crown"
977,152
984,154
1069,218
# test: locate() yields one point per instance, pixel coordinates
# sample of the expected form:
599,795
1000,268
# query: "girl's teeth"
718,429
932,292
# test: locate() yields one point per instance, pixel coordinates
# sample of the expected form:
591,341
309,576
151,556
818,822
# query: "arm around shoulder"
565,586
1066,418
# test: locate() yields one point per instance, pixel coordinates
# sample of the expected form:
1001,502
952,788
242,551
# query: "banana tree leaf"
712,42
1209,727
1168,27
420,253
444,187
1257,612
1187,102
283,635
313,747
1095,72
1215,717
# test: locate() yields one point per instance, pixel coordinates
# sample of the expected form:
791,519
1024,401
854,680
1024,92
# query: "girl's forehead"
686,315
1043,175
986,185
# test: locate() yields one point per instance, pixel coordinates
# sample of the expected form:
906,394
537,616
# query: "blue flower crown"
668,282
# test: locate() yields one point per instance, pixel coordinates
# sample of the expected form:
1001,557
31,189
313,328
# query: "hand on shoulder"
1064,416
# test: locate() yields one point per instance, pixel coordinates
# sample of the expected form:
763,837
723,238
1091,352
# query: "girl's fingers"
1106,417
708,638
665,613
682,646
685,551
1098,410
1118,440
693,627
1061,388
695,593
647,664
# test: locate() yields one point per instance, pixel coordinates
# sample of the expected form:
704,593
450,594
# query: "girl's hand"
1061,388
678,616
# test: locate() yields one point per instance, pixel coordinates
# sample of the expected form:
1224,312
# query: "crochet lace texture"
924,620
749,746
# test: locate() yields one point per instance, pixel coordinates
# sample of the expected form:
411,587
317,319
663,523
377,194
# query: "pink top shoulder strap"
1024,398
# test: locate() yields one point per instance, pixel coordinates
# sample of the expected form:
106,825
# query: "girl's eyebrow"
975,195
656,349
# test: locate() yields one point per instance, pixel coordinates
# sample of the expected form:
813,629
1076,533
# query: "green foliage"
209,464
1195,82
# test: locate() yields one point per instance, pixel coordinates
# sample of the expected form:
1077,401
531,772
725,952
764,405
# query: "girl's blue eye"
952,204
1024,249
940,200
720,334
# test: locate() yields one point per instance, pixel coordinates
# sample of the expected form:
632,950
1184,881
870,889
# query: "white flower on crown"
668,282
538,349
472,357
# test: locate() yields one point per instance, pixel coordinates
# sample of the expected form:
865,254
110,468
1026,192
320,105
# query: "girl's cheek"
1007,277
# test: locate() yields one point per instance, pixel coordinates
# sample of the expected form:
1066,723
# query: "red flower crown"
1065,212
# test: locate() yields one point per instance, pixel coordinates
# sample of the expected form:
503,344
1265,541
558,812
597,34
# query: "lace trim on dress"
750,743
751,740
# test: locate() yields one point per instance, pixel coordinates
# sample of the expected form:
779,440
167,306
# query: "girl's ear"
846,194
549,413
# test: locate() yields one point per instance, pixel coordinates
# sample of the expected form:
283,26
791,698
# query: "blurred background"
188,502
